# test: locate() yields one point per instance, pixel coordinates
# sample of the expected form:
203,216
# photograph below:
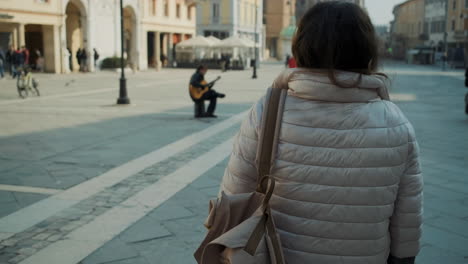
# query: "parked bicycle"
26,83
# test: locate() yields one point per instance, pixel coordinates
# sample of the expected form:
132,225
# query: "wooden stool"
199,109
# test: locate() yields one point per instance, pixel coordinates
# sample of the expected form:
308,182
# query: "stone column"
63,44
143,51
140,47
57,53
164,44
157,50
170,48
15,37
21,35
89,38
51,48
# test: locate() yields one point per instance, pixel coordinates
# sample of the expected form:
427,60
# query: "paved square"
91,168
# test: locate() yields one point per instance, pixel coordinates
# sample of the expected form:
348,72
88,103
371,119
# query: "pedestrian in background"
292,63
466,77
18,61
70,61
466,95
163,59
9,60
347,170
78,58
228,62
96,57
84,60
2,63
25,52
286,63
223,62
39,61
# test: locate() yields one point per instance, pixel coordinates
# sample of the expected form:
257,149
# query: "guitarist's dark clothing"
211,95
197,79
208,96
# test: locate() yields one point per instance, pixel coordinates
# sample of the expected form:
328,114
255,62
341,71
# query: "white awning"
195,42
235,42
213,40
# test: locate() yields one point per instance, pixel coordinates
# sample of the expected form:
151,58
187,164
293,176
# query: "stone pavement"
103,137
68,135
73,133
442,129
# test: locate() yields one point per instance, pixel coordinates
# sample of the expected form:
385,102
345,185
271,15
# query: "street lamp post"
254,75
445,57
123,98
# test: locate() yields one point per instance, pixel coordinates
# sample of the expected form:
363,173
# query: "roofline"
401,4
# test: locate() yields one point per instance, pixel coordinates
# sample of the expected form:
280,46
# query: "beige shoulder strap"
271,120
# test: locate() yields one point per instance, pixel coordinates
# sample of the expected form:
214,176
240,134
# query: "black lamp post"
123,98
445,57
254,75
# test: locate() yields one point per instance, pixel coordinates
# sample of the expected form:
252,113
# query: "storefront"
36,30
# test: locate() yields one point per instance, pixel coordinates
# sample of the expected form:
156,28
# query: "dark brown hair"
336,36
201,67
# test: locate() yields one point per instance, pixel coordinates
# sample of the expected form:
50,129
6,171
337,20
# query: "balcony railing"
460,34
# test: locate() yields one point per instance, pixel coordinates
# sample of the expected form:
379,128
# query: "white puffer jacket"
349,185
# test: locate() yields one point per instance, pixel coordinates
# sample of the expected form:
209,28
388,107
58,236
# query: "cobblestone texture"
26,243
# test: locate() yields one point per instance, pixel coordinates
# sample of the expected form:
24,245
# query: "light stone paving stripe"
407,72
28,189
37,212
88,238
19,101
79,110
56,96
401,97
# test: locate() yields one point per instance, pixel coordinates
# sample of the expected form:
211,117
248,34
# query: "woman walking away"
348,179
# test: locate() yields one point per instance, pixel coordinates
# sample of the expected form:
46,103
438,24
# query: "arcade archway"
130,43
75,29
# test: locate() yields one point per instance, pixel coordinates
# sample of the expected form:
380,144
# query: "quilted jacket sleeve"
241,173
406,222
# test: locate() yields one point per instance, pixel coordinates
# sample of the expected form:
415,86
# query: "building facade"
407,29
58,28
36,24
225,18
165,23
457,30
303,5
278,15
435,23
383,38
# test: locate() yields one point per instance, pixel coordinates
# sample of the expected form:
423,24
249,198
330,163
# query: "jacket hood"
316,85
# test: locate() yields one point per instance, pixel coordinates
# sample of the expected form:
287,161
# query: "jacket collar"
315,85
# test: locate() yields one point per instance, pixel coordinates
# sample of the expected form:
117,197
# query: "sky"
380,11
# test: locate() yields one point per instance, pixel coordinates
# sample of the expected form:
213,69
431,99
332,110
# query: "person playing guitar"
201,91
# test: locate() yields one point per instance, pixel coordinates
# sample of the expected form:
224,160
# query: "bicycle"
26,83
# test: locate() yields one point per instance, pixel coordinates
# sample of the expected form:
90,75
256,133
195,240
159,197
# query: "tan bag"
241,227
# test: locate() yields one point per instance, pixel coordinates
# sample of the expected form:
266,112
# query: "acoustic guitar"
197,93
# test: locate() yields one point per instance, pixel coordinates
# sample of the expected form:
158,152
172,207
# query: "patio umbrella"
233,42
213,40
195,42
